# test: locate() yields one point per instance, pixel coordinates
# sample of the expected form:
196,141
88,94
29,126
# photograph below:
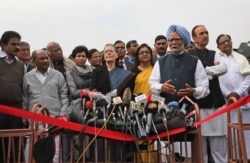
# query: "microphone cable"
159,139
94,138
135,141
82,132
164,120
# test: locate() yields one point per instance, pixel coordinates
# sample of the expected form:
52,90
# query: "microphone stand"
96,145
106,147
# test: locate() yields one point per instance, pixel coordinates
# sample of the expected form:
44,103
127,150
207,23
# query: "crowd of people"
173,68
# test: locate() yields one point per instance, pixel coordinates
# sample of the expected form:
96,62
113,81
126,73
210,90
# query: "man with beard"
178,74
214,131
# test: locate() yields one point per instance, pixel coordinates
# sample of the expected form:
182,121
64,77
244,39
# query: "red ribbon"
110,133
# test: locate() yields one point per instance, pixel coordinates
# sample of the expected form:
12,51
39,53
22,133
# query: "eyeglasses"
175,39
224,42
120,47
144,52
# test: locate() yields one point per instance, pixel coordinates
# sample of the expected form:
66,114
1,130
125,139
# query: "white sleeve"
243,86
155,78
201,82
216,70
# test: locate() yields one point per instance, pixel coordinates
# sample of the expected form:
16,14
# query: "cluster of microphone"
142,116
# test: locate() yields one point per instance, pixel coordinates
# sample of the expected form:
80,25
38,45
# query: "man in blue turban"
175,75
178,73
182,31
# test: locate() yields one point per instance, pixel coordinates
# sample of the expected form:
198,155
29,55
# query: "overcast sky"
94,23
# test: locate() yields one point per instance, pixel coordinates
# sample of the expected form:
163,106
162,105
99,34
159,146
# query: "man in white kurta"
235,83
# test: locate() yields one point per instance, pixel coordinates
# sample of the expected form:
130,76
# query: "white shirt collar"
46,73
2,54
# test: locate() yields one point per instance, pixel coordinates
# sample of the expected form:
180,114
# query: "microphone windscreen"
101,103
127,94
152,107
126,97
173,104
89,104
94,94
126,102
84,93
149,97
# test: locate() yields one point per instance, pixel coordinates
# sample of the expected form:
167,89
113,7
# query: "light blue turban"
182,31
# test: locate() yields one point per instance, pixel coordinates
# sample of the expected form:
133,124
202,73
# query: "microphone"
84,96
84,93
190,122
104,113
154,97
135,111
118,101
101,103
113,115
93,94
126,97
173,106
150,110
109,95
89,106
141,99
182,112
163,109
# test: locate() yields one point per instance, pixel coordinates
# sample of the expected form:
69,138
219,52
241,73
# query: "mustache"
16,50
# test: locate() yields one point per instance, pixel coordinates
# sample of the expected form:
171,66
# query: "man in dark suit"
124,61
132,47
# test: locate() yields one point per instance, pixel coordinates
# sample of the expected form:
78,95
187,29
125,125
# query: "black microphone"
101,103
150,110
135,111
